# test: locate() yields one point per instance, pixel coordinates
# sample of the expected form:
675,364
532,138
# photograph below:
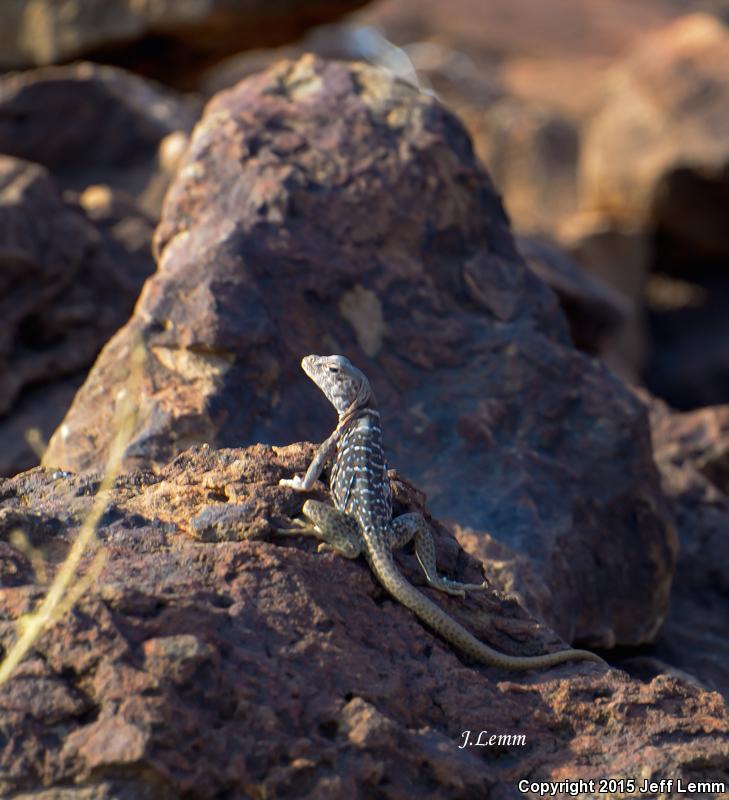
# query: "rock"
502,67
158,38
527,50
90,252
67,285
692,453
250,667
621,257
656,153
328,207
35,414
594,310
689,367
113,137
532,154
524,27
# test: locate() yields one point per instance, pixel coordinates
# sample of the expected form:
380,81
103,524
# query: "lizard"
361,520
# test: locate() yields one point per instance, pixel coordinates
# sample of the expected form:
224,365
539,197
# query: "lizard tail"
437,619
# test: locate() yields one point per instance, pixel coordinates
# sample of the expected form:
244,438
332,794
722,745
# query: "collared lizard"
362,521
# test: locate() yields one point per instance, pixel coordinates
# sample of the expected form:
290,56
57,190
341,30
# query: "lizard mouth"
307,364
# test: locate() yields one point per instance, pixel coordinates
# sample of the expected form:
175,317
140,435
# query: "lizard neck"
355,412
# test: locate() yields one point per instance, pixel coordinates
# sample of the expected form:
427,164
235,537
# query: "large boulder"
327,207
249,665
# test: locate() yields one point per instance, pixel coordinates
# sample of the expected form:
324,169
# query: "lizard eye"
333,369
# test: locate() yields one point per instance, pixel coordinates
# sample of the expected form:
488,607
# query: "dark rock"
261,668
621,258
327,207
170,41
66,286
595,311
689,365
692,453
113,136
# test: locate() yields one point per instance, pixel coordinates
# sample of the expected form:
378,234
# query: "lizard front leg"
407,526
323,454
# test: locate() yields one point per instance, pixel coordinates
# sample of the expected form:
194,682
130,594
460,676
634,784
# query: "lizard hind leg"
408,526
338,531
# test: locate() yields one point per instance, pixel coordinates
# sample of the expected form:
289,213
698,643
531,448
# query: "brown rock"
525,27
620,257
690,364
251,667
158,38
329,207
595,311
532,153
113,137
692,452
656,153
66,286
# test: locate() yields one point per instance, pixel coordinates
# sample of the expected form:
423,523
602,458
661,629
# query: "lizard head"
343,384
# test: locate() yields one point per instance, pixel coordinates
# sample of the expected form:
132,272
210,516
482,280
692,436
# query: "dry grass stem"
61,595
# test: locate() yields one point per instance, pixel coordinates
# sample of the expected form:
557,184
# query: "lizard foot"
295,483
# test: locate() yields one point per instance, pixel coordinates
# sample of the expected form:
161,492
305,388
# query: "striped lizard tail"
435,618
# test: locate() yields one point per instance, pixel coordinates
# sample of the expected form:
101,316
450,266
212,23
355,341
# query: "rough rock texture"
326,207
657,151
67,285
158,37
113,137
248,665
692,452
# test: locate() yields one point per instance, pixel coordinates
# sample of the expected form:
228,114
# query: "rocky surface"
214,657
326,207
502,66
692,452
67,284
